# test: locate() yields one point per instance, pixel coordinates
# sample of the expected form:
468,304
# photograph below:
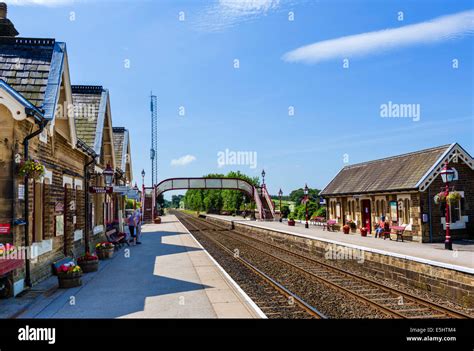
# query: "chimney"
7,29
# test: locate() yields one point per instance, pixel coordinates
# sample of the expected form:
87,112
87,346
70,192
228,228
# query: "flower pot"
346,229
363,231
157,220
291,222
69,280
89,266
105,254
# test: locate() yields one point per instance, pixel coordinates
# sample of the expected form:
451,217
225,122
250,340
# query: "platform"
460,259
169,276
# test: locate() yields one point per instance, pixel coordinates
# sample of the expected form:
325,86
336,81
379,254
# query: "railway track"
273,299
391,302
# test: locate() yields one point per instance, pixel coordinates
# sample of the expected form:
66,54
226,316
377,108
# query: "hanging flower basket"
69,276
454,197
440,198
31,168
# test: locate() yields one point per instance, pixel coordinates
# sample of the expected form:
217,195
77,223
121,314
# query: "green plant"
31,168
454,197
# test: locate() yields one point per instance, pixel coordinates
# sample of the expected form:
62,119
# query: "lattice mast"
154,139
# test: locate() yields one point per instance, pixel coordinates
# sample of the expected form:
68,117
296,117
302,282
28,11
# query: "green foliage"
214,201
175,200
297,195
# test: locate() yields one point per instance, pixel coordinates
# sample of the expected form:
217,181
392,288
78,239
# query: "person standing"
138,226
131,226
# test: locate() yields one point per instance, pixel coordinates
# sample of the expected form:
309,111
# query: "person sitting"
380,227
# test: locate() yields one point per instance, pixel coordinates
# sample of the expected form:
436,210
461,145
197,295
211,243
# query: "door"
366,215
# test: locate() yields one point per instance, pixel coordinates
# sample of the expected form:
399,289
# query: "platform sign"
5,228
101,189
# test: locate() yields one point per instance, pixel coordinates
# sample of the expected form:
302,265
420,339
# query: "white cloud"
227,13
438,29
39,2
183,161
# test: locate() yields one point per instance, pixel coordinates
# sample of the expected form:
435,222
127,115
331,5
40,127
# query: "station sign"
122,189
101,189
5,228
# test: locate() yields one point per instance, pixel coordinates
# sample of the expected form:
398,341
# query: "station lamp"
108,175
280,194
306,192
447,175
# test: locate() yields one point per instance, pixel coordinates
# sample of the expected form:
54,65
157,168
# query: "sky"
301,88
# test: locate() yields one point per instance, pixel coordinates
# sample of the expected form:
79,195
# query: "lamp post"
143,178
447,174
306,192
135,201
280,194
243,202
263,178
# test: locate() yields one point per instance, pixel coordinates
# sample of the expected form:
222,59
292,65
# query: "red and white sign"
5,228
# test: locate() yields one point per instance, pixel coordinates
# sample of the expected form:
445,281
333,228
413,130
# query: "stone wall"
454,285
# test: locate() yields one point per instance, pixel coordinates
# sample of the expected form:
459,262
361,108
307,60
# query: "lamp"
108,175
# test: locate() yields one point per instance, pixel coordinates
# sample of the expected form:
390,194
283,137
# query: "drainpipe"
86,199
26,143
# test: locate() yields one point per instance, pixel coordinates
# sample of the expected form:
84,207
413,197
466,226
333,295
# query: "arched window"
407,211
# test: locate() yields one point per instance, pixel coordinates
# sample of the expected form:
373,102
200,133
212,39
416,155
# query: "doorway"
366,215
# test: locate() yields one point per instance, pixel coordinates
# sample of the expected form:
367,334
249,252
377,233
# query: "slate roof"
89,110
119,134
25,65
401,172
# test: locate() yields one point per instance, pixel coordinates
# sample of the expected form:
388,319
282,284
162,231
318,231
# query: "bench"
396,230
317,220
330,225
116,238
7,266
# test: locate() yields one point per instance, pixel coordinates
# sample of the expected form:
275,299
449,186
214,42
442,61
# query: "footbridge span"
265,207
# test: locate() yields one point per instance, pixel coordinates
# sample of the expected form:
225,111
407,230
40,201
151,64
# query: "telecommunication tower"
154,139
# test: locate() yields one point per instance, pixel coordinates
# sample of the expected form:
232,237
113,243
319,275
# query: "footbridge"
265,207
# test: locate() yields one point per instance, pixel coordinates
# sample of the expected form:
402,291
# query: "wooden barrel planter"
105,254
89,266
69,280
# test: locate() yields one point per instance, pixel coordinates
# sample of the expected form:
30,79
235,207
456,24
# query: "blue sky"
190,64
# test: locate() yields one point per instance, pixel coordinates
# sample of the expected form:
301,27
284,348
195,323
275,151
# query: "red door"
366,217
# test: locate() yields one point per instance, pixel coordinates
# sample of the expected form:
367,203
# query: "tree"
214,201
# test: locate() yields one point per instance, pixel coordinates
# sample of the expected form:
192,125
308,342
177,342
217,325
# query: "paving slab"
460,259
169,276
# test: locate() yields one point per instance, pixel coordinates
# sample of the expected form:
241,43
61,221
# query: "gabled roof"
29,108
412,171
122,151
90,102
120,146
34,68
